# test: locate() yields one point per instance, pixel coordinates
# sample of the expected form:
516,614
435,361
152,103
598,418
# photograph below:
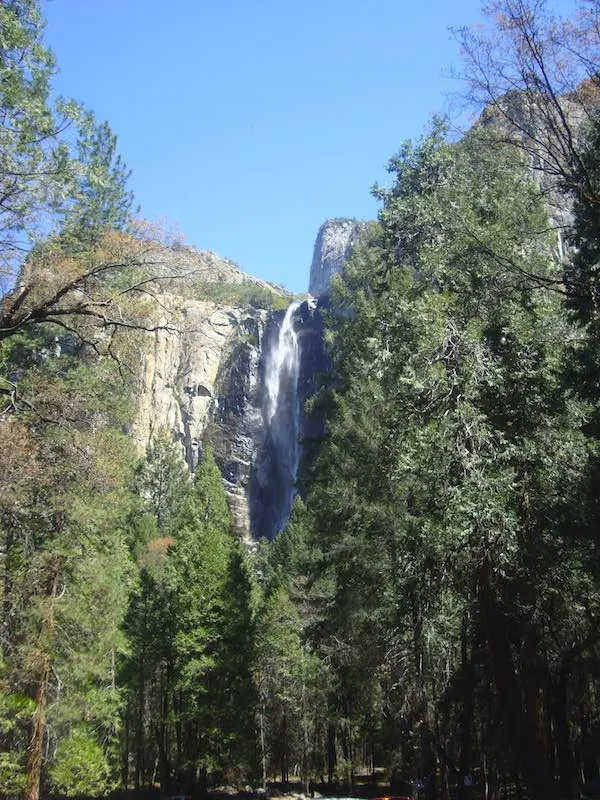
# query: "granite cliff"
231,363
200,371
334,243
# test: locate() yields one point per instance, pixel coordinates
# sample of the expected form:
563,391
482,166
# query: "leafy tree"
163,486
191,626
148,671
162,481
231,690
80,767
536,76
31,151
101,199
57,163
289,551
65,569
291,683
440,506
199,567
64,204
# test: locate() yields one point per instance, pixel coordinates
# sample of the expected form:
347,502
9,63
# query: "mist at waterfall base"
281,417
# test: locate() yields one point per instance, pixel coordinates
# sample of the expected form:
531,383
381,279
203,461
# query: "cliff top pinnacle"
335,240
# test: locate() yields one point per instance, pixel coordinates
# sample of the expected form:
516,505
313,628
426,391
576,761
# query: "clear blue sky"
249,122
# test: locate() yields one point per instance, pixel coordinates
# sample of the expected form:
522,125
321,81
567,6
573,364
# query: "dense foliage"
449,576
244,294
431,610
451,495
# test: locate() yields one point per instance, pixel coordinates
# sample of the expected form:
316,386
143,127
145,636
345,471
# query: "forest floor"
364,786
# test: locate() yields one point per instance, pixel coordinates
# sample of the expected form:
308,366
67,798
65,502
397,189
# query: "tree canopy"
431,610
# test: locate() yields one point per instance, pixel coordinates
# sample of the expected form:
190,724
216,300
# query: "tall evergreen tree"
191,625
62,525
46,180
438,495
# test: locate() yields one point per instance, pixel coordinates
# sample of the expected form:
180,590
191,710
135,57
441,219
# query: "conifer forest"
426,623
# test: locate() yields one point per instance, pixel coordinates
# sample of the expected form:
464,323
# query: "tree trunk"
263,752
36,741
7,590
125,753
535,679
526,747
164,765
305,776
466,711
285,772
139,729
331,753
561,720
35,757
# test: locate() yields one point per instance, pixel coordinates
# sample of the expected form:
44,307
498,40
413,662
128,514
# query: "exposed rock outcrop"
335,241
236,429
179,369
192,267
207,375
200,380
200,369
544,131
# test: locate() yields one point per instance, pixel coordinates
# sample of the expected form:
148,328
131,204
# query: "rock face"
235,375
335,241
199,379
200,370
536,130
236,430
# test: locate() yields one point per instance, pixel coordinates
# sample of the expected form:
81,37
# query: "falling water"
281,374
281,415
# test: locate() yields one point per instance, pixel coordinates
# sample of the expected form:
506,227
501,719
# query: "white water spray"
283,364
281,415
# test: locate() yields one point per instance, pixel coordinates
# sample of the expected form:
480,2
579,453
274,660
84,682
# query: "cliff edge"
335,241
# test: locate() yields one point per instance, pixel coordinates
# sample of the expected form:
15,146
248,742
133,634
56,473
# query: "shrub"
80,767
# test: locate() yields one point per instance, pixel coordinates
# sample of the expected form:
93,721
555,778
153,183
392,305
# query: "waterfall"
281,418
281,373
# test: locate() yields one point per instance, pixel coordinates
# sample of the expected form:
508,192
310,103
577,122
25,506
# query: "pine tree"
451,454
47,182
65,572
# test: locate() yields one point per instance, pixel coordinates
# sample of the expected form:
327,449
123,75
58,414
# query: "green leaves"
190,626
80,767
59,169
453,443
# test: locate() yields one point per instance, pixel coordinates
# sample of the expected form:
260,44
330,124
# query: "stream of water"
282,412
